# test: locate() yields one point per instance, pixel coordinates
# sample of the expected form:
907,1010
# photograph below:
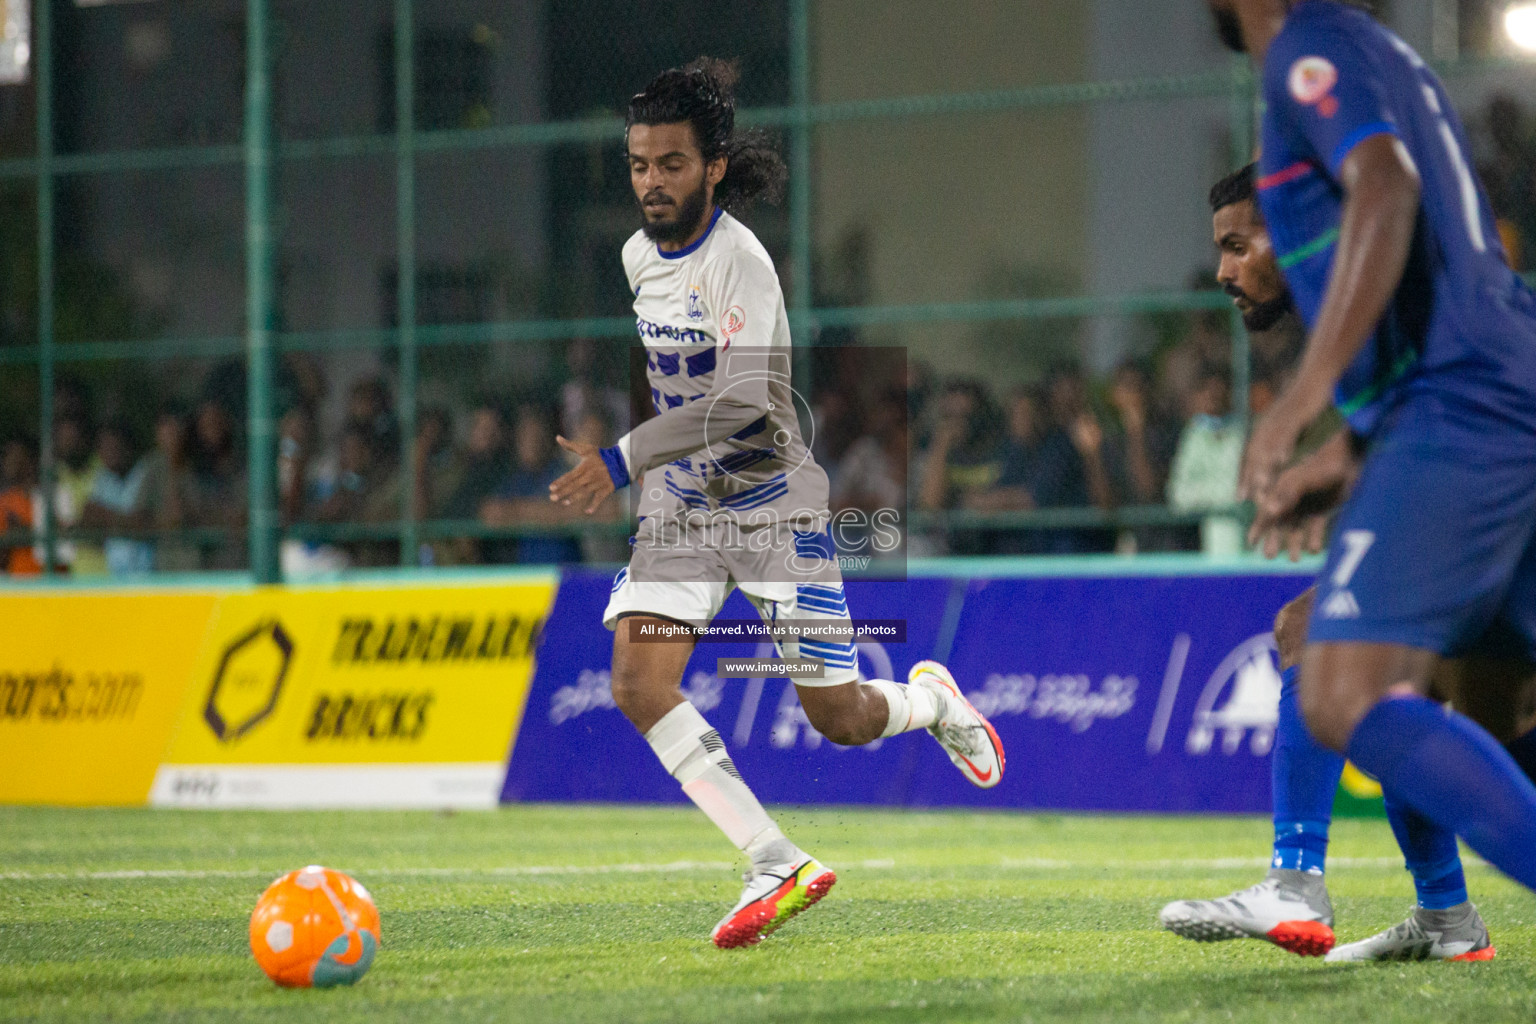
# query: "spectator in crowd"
436,467
1206,342
72,401
1071,468
18,500
295,451
366,485
583,395
1206,465
872,473
304,486
356,478
961,459
1072,471
371,410
837,426
871,479
367,492
1142,442
595,429
75,471
1018,458
218,463
482,463
919,387
471,477
115,501
169,493
521,497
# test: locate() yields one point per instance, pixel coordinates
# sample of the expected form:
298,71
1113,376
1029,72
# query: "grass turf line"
936,917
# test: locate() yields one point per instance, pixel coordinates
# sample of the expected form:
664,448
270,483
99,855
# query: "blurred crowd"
1159,432
154,478
170,494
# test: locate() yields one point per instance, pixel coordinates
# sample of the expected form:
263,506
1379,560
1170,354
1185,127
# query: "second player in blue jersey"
1425,338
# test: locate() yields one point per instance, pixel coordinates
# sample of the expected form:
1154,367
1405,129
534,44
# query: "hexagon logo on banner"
248,681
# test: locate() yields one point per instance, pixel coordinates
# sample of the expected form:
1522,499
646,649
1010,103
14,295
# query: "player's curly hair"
703,94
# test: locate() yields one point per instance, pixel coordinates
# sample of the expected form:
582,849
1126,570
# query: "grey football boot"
1289,908
1455,934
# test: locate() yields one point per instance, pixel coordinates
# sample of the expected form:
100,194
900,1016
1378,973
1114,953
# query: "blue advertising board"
1120,694
1110,694
575,744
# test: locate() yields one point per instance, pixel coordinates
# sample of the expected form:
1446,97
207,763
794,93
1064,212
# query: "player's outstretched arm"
588,483
1380,210
1293,514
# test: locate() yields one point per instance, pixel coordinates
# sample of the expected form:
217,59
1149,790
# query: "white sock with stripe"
693,753
908,707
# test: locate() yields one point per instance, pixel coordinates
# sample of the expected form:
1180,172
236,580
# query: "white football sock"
693,753
909,707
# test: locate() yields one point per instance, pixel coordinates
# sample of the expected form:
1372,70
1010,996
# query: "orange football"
315,927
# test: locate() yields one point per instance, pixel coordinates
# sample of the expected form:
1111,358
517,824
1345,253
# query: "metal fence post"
260,295
47,478
405,259
1241,117
1244,143
800,245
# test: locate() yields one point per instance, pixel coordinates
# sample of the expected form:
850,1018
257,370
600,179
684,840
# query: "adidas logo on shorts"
1341,605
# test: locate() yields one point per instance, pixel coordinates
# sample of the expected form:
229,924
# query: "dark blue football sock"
1304,778
1431,856
1450,770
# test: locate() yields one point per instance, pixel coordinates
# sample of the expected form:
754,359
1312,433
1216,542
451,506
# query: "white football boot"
962,731
772,896
1289,908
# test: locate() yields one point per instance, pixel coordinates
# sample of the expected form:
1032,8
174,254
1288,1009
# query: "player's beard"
1229,29
690,214
1261,316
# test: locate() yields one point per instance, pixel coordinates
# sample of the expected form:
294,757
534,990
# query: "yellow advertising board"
399,695
91,685
348,695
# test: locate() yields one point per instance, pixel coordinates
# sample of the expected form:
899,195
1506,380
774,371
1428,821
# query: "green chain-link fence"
268,179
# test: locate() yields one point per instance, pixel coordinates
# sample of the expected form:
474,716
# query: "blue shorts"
1435,550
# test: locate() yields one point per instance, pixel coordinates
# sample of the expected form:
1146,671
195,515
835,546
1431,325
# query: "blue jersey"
1461,329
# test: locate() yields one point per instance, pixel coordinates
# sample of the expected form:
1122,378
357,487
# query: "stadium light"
1520,26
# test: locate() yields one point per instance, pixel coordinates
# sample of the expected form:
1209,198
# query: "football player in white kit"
729,495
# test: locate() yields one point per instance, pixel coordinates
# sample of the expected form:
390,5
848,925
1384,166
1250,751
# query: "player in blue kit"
1290,906
1426,341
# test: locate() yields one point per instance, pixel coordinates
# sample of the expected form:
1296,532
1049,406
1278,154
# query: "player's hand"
1270,447
588,484
1294,513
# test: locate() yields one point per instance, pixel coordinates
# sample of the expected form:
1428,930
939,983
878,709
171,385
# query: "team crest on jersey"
735,319
695,311
1312,80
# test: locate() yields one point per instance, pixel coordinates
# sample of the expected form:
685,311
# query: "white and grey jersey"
727,436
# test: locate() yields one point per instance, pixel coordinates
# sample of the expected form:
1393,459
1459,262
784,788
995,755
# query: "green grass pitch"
554,913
